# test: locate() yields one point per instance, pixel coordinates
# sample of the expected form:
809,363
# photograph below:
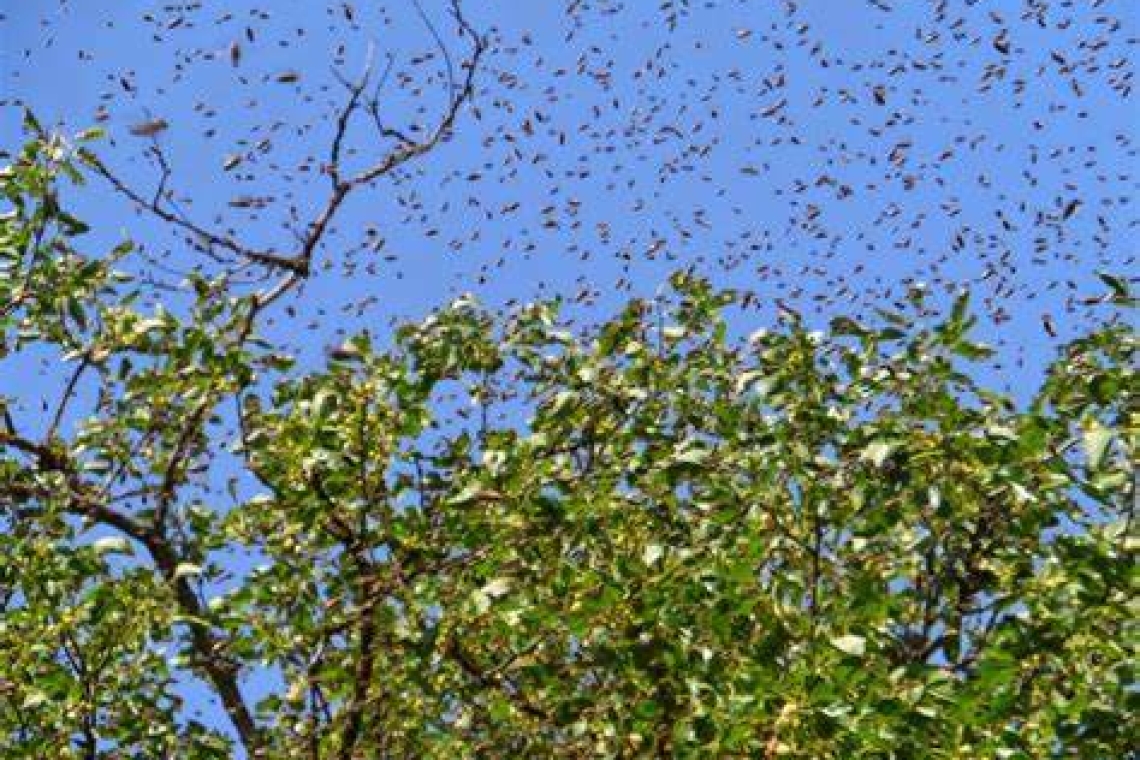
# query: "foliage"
497,538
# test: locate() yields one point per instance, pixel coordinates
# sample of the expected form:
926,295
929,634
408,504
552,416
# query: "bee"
149,128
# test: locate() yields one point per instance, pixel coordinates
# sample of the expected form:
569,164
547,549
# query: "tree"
496,537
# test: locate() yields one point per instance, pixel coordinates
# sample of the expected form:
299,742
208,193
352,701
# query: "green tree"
493,537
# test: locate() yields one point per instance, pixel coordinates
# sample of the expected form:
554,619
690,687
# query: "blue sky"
825,153
658,137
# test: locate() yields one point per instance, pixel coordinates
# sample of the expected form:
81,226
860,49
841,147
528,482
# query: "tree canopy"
496,536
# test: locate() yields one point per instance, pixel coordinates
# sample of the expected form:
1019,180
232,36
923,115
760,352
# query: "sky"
612,147
821,153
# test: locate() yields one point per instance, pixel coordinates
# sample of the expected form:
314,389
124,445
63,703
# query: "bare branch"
372,105
199,235
492,679
399,156
356,90
297,265
68,395
457,99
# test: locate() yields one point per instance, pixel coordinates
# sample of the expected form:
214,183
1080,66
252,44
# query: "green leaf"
847,326
1118,285
1097,439
496,588
31,123
187,569
112,545
692,453
35,699
877,452
856,646
469,493
91,134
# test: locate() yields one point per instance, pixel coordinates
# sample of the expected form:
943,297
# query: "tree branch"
87,501
297,265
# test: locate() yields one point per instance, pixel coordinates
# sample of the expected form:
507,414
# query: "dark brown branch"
372,106
222,672
199,234
299,264
179,460
399,156
87,501
458,99
492,679
68,395
356,90
362,680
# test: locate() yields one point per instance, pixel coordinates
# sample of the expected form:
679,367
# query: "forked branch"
296,265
